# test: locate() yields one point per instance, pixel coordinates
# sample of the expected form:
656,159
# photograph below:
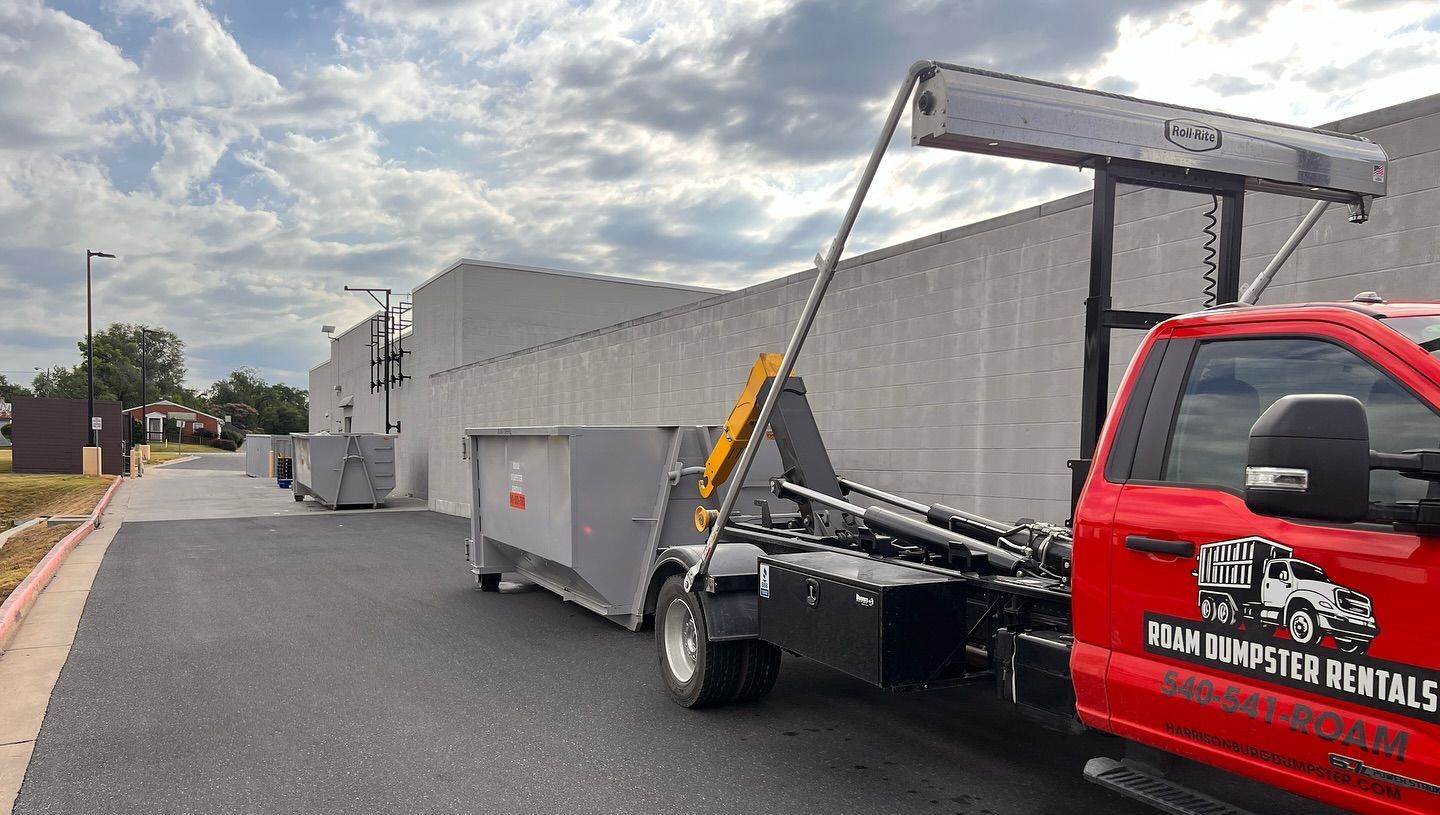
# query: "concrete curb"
15,607
191,457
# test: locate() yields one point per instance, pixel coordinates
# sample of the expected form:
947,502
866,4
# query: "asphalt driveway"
336,662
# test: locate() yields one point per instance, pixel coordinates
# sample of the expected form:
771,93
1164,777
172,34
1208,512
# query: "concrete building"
948,367
470,311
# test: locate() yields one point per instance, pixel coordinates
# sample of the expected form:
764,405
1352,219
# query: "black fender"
729,603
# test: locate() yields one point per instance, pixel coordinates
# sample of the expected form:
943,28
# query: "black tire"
299,498
762,668
715,668
1302,620
489,582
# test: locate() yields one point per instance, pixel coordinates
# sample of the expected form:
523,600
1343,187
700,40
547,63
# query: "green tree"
59,382
254,404
117,364
117,368
9,389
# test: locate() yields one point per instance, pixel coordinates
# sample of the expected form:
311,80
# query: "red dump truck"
1247,574
1276,465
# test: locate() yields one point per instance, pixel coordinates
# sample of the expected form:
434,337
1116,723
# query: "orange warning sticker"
517,499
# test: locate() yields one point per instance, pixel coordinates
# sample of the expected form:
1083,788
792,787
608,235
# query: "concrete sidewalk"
31,666
214,485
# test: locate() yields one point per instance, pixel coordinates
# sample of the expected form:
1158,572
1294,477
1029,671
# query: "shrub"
5,431
204,433
224,444
227,433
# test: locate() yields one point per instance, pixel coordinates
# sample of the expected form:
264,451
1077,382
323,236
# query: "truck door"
1275,590
1302,652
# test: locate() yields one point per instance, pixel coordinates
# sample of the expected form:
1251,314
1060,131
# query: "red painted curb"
13,610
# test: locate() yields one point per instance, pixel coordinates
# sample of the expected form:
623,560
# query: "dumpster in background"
343,469
257,455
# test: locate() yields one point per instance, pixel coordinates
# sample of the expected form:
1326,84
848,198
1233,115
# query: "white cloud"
678,139
191,150
60,81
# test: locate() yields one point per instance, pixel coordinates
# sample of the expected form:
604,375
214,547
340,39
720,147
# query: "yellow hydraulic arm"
739,425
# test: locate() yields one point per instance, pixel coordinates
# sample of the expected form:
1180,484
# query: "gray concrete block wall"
321,384
948,367
470,311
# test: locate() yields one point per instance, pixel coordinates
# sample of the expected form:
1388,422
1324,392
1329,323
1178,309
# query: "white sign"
94,422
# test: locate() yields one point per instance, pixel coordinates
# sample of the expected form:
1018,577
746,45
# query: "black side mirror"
1310,458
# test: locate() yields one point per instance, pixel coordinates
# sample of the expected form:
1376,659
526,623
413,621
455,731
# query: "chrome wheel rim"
1300,627
682,643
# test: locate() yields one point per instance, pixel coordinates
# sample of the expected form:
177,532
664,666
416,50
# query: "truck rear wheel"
1223,614
698,672
762,668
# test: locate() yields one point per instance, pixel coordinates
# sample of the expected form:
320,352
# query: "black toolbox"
891,625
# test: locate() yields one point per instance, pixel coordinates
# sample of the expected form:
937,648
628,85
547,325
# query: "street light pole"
90,348
144,406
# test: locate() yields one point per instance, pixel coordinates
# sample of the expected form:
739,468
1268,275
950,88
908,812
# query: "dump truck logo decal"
1192,135
1267,614
1260,585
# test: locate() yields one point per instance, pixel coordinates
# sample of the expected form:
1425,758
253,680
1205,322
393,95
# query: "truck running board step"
1136,782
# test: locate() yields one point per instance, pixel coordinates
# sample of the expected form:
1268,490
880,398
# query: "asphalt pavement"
343,662
210,461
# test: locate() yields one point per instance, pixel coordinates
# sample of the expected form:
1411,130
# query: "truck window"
1278,571
1231,382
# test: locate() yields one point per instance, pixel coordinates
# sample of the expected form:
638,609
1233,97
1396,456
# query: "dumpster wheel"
701,673
488,582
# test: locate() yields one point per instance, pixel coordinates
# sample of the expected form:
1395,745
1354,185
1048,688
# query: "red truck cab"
1296,646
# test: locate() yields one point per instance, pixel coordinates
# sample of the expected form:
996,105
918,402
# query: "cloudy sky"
248,158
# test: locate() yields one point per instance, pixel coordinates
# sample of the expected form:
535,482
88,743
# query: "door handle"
1140,543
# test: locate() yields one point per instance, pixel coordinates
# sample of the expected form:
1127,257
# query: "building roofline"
1359,123
176,404
514,267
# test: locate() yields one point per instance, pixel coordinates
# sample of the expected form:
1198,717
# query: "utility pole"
90,349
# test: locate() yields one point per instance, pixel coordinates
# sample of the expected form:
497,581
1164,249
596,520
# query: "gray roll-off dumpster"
584,511
257,454
344,469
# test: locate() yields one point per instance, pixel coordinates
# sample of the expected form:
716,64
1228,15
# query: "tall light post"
90,347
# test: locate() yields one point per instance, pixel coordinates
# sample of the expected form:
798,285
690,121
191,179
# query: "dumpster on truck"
343,469
584,511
